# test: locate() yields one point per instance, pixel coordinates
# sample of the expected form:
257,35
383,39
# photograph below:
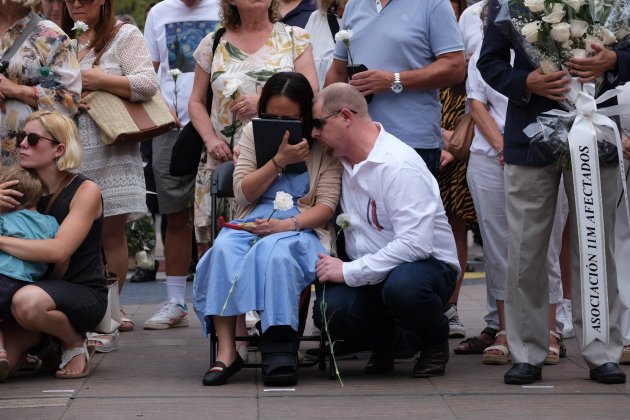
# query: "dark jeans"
432,158
413,293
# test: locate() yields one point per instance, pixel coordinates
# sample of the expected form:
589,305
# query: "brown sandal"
476,345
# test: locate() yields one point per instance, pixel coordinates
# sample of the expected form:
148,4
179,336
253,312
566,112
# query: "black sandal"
218,374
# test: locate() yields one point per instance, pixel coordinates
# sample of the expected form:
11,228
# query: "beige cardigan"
325,182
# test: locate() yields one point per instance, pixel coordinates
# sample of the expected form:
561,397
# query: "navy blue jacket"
494,66
299,16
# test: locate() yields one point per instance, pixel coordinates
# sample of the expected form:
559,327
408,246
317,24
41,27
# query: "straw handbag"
122,120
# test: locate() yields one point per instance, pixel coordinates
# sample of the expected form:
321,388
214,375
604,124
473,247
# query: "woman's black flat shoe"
218,374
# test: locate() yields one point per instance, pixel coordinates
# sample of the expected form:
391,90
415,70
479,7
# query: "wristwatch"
397,86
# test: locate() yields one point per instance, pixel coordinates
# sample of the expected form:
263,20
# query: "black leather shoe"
608,373
432,361
522,374
218,374
379,363
141,275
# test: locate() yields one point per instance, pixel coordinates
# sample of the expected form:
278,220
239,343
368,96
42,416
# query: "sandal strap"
555,334
68,354
500,333
490,331
503,349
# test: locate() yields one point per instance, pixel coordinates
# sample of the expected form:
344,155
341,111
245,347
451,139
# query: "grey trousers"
531,196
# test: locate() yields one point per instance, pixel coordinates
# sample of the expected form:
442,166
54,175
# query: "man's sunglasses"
268,116
319,123
31,138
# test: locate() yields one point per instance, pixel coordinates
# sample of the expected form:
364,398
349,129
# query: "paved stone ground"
157,375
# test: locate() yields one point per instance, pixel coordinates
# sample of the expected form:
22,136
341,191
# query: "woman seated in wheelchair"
267,269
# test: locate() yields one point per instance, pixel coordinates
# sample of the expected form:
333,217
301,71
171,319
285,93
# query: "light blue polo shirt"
405,35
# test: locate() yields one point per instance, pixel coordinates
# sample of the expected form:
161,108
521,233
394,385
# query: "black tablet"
268,134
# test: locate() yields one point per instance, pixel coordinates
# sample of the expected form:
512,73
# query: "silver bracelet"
296,223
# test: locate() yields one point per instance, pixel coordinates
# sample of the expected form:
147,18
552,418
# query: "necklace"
84,46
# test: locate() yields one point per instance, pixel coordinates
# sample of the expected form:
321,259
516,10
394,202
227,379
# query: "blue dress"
269,275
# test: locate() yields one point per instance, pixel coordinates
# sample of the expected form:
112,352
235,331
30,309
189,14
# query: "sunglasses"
277,117
31,138
319,123
81,2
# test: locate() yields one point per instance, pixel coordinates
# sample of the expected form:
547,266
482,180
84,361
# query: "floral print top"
283,47
47,45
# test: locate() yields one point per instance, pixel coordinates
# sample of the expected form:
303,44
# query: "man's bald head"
342,95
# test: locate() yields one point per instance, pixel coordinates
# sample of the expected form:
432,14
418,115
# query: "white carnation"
561,32
343,221
535,6
556,15
575,4
343,36
530,31
174,73
283,201
578,28
231,86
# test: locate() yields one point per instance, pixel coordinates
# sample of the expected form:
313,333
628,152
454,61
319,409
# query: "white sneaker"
170,315
456,328
564,316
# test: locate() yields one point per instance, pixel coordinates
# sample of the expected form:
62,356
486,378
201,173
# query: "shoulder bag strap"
333,23
8,54
215,44
97,60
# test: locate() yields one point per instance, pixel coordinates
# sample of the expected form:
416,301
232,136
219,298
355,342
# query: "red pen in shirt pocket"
371,215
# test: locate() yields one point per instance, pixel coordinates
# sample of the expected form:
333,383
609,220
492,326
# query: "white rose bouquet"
556,30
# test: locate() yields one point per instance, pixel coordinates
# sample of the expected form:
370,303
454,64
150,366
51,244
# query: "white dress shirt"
396,213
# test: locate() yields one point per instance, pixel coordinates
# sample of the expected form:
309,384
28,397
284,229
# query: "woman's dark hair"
295,87
104,30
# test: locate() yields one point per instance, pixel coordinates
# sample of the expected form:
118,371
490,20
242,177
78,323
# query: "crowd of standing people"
378,86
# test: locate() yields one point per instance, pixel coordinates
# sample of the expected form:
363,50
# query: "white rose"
575,4
343,221
530,31
535,6
556,15
589,41
343,36
231,86
283,201
561,32
578,53
578,28
607,36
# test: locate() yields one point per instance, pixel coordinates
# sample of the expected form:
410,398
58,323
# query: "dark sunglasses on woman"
31,138
81,2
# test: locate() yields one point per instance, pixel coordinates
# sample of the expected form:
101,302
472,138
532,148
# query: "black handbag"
186,152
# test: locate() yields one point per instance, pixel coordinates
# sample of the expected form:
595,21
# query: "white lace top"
117,168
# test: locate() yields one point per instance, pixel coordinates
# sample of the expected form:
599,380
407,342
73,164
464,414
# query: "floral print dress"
283,47
47,45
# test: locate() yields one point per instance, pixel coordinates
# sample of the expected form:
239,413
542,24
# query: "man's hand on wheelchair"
329,269
266,227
